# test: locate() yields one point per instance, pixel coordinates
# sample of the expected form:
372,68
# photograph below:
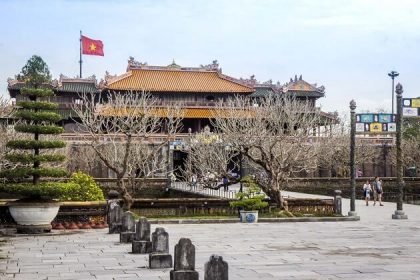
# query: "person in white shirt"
367,190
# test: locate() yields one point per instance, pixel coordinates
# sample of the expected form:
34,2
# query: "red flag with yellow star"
92,47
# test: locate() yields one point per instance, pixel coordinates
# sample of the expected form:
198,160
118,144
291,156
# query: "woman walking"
367,190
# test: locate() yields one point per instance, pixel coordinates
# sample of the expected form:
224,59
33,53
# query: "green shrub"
36,92
40,105
46,190
81,187
23,172
35,144
38,116
29,158
88,189
40,129
249,200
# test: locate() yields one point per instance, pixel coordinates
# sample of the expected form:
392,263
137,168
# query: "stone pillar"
338,208
128,227
141,243
216,269
399,213
160,257
184,261
114,217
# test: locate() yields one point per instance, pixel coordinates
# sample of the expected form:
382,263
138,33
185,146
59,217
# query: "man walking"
225,183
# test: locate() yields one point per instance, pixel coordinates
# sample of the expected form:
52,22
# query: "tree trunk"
127,198
275,193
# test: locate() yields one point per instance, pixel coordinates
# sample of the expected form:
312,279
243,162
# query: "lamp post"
352,211
399,213
393,74
241,171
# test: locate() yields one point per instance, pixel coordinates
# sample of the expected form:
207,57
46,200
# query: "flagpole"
80,61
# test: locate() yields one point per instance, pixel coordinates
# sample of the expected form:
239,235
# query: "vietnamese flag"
92,47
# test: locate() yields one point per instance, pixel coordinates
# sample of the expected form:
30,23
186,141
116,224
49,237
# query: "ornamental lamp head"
352,105
399,90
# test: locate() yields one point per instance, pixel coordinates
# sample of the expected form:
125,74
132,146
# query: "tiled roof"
79,87
261,91
65,84
66,113
299,87
177,81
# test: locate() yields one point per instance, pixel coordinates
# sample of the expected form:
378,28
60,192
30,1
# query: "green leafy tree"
35,117
35,72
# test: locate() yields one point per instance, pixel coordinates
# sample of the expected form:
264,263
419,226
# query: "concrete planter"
248,216
33,217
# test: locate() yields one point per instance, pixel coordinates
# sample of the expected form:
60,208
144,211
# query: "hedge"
50,190
22,172
81,187
35,144
30,158
38,116
40,105
40,129
36,92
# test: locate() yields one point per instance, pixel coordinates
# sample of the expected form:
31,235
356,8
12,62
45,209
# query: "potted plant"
35,121
249,201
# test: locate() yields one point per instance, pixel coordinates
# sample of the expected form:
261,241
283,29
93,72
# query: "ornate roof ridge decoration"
11,82
213,66
109,79
251,81
67,79
134,64
15,82
173,65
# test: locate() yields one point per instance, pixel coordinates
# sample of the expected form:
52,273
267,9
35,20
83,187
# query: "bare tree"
410,145
81,158
275,134
120,125
7,133
210,158
334,151
146,161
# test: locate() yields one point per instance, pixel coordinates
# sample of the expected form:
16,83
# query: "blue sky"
348,46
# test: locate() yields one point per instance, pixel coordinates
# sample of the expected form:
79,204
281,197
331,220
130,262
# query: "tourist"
172,177
367,190
225,183
377,191
194,181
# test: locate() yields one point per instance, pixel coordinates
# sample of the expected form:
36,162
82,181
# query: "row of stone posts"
138,234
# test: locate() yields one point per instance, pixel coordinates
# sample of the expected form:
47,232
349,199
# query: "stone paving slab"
376,247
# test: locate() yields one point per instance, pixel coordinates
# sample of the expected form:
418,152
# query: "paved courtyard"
376,247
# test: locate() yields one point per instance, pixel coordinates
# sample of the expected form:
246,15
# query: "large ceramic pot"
249,216
33,217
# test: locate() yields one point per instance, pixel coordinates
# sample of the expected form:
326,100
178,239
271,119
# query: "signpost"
411,107
376,123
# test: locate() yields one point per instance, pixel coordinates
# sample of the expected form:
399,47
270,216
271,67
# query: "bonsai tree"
250,199
34,117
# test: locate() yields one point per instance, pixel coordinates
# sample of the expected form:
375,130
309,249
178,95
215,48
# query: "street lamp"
399,213
393,74
352,211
